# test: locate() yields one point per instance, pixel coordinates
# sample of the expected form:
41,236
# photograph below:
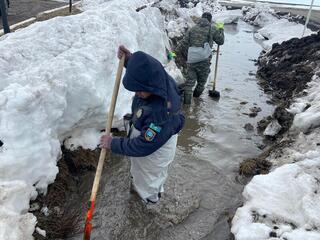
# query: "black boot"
197,93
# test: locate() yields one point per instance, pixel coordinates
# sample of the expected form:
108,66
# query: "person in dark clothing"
8,5
155,124
196,47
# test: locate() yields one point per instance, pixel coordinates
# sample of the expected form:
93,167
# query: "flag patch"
155,128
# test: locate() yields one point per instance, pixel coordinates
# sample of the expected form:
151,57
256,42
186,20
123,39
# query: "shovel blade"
214,94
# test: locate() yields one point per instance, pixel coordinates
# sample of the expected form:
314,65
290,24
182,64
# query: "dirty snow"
274,30
227,17
260,15
88,138
285,202
178,20
308,117
15,222
272,129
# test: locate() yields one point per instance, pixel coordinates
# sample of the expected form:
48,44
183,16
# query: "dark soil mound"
284,73
288,67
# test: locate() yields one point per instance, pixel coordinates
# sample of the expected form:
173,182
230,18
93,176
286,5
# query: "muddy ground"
62,218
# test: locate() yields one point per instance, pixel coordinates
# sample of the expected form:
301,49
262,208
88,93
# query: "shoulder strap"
209,35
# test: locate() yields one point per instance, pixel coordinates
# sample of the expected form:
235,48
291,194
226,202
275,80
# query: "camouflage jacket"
201,33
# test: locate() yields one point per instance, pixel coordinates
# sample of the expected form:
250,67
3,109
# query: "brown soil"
65,193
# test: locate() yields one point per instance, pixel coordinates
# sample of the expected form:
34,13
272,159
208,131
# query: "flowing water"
202,191
214,128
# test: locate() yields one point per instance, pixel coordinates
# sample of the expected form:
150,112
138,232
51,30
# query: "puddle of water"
214,131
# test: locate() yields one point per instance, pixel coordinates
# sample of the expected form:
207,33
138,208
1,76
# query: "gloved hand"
122,50
105,142
219,25
171,56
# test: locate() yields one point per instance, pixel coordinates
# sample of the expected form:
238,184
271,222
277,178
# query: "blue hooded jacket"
157,117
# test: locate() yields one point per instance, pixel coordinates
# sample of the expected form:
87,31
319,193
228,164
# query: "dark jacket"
157,117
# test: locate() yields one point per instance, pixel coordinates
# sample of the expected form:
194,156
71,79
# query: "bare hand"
122,50
105,141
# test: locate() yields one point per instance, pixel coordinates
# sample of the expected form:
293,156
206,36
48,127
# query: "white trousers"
150,173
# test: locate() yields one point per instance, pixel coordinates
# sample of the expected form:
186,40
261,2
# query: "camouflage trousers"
197,73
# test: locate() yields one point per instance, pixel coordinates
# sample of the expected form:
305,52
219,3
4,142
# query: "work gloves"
105,142
219,25
122,50
171,55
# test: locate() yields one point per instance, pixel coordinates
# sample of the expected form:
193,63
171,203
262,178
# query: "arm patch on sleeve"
149,135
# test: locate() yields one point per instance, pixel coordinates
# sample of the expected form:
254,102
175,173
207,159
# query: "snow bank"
56,81
284,204
227,17
307,108
178,19
260,15
174,72
15,222
274,30
280,31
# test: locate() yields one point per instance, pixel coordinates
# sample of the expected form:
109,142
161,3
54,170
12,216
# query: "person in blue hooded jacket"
156,121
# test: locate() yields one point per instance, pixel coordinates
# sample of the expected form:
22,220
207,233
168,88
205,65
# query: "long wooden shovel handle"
88,225
216,69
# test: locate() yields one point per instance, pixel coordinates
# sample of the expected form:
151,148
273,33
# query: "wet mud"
61,210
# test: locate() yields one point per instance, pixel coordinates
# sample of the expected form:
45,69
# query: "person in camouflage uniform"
197,36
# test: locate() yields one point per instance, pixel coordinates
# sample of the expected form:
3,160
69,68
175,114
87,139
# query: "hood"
203,22
145,73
